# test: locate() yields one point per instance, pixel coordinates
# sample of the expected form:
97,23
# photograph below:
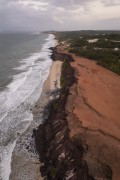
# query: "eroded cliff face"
61,156
66,148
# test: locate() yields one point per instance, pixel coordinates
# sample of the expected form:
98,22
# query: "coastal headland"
80,137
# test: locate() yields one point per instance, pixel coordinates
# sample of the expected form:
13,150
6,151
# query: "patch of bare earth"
93,108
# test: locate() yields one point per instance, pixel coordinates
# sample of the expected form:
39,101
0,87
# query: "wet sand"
25,160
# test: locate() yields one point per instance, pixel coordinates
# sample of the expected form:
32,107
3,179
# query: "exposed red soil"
93,108
98,101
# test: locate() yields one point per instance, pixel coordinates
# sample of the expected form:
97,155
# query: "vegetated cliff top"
101,46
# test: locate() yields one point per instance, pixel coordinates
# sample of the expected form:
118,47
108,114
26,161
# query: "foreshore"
25,161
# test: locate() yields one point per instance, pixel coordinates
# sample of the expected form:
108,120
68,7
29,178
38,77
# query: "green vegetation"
106,49
107,58
52,171
62,78
62,81
55,105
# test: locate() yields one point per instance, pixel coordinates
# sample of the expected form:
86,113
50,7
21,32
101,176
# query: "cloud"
57,19
34,4
58,14
111,2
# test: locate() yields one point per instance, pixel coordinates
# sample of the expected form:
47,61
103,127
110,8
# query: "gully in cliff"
61,156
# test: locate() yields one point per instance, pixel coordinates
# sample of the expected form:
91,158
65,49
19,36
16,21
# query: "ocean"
24,66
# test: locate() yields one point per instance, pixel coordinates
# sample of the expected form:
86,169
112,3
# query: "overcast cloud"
39,15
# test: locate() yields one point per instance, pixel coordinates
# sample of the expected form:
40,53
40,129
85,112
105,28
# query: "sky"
43,15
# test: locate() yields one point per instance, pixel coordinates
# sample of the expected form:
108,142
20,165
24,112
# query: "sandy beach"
25,161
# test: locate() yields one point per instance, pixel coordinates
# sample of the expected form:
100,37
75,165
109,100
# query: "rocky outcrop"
61,156
59,55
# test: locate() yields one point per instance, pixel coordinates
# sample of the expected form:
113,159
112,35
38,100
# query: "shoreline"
18,99
25,153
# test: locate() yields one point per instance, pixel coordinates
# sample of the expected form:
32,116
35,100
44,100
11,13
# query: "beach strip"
25,161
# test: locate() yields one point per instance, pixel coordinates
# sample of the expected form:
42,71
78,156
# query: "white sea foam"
17,99
6,160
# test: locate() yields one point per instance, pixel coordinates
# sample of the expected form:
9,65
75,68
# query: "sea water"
24,66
